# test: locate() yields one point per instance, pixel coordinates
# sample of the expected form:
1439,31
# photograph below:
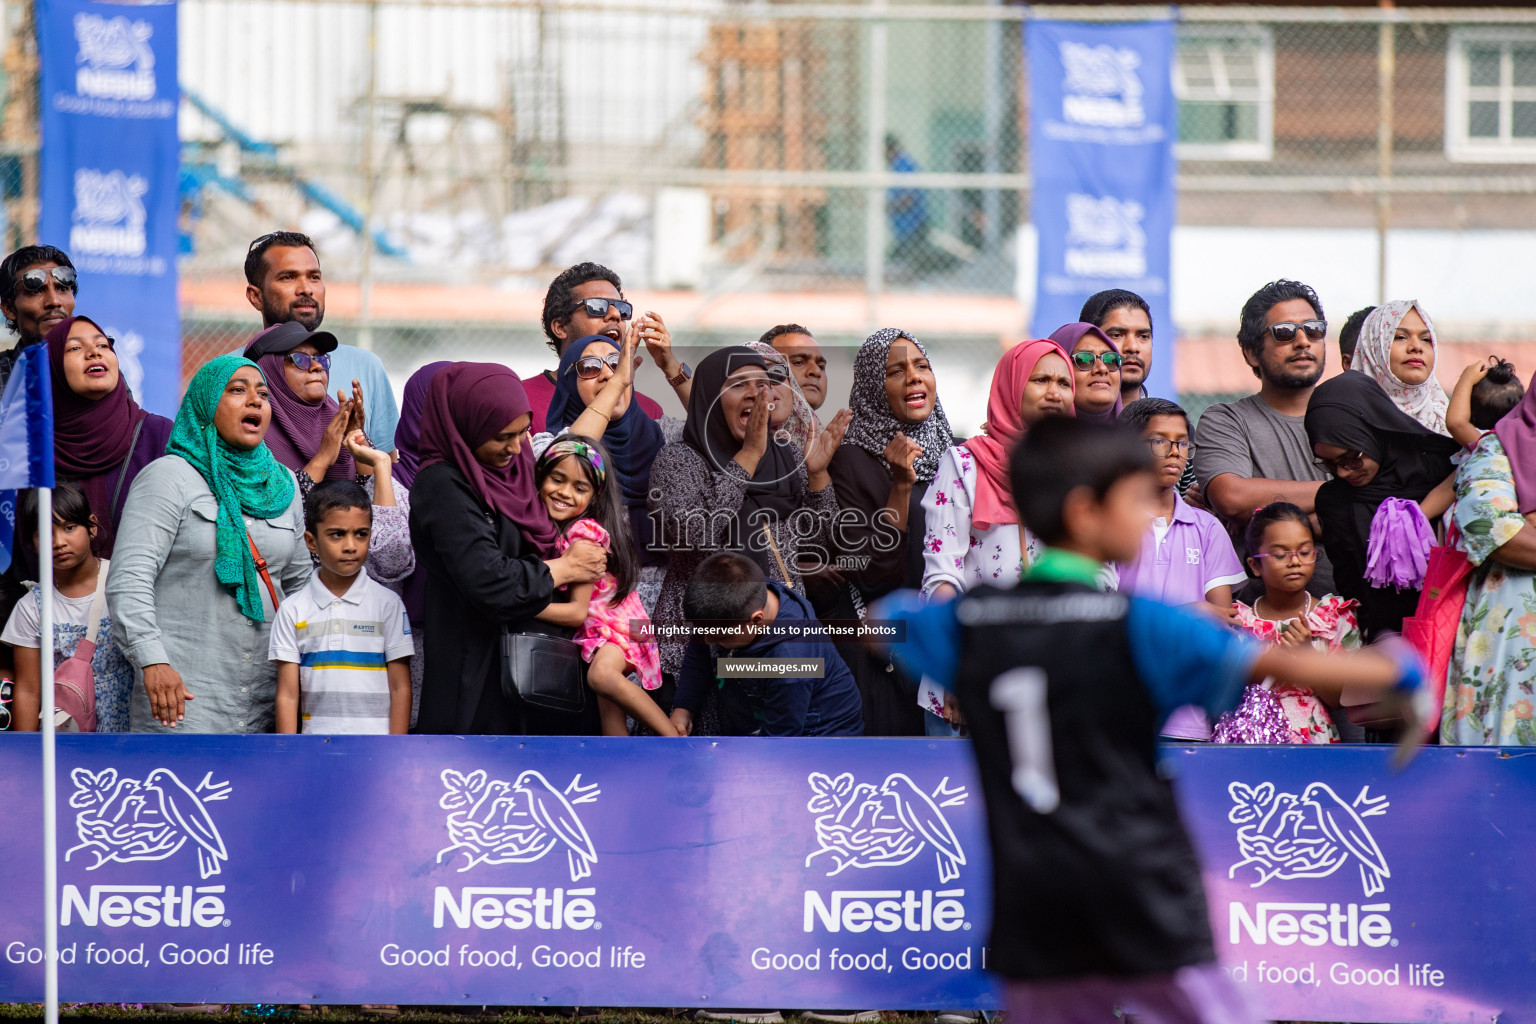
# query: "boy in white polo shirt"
343,643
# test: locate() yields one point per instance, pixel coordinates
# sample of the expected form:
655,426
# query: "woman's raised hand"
754,444
824,442
902,455
358,413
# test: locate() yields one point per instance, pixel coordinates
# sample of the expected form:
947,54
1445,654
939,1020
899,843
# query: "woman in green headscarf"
189,605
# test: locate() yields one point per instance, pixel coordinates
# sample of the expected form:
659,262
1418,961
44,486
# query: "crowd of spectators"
295,551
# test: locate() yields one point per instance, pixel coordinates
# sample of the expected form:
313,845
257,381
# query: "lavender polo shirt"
1194,555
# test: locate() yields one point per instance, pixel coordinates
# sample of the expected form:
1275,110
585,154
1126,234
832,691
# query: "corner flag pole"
50,773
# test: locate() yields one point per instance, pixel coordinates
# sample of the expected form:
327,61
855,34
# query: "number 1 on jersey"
1020,695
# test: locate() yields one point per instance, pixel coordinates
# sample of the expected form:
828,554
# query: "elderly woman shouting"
211,540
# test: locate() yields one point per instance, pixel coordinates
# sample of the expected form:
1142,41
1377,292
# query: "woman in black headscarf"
730,485
1373,451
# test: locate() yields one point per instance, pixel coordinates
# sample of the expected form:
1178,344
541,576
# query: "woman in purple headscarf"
486,545
412,589
1095,369
101,438
320,438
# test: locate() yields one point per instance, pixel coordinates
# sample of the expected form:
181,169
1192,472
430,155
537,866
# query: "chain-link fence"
841,166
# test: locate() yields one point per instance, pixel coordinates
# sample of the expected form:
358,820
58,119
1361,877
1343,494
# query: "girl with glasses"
1284,547
1095,368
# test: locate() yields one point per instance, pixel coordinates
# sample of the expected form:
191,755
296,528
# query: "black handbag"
544,671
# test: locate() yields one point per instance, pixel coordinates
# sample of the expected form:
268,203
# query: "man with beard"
1126,319
37,292
588,299
1254,451
805,360
283,282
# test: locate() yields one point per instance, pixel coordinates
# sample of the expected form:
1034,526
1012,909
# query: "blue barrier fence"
787,873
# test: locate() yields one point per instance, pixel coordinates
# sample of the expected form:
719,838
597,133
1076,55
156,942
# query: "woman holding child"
1490,691
211,540
486,543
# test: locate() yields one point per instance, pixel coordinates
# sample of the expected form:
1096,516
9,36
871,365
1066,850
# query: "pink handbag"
74,681
1432,629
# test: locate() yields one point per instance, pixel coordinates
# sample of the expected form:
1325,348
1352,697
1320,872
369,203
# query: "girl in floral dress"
1285,555
572,477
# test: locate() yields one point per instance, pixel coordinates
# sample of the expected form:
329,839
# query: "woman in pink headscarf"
973,535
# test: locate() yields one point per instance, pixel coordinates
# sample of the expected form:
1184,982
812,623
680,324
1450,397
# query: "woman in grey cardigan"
190,605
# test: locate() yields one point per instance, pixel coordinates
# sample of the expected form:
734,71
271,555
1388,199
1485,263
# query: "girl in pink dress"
1284,554
572,477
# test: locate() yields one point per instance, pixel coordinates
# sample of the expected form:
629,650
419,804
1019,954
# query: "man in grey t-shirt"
1254,451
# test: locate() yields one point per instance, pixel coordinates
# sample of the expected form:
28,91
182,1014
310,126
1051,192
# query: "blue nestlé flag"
26,438
1102,125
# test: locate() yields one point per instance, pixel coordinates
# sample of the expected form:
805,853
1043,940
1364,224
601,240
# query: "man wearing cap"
308,425
284,283
37,293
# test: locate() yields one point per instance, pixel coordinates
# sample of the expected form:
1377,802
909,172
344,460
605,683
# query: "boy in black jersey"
1097,900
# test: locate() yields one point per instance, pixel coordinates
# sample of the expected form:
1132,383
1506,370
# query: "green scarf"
243,480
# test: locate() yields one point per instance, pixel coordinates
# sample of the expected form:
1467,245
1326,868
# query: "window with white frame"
1490,95
1224,80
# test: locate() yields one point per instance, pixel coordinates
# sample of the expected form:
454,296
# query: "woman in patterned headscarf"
881,471
1396,349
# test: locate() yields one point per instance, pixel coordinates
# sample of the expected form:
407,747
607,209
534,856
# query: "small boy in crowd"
752,618
1097,899
343,643
1186,557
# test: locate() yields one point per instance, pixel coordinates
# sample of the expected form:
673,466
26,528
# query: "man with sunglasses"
37,292
284,284
1254,451
588,299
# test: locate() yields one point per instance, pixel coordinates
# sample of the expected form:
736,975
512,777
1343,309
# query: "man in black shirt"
37,292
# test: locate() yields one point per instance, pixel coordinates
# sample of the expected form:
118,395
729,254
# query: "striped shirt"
342,645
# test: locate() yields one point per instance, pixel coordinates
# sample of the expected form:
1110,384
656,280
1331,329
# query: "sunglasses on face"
35,281
1085,360
598,308
1285,333
1161,446
304,361
1306,556
588,367
1346,463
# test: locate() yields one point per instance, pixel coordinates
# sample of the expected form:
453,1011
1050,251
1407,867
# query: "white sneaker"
841,1017
741,1016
